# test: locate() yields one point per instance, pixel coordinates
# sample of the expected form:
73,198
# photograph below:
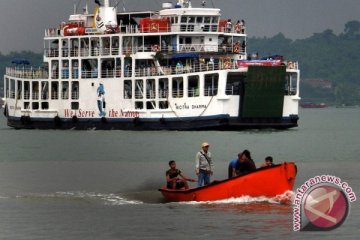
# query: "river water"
58,184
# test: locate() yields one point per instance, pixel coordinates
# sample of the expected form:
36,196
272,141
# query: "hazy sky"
22,22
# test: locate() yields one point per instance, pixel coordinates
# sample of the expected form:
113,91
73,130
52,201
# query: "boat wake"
106,198
285,198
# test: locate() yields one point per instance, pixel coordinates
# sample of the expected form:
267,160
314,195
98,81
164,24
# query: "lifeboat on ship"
268,182
72,29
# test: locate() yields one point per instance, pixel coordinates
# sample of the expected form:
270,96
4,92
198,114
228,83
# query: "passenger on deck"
268,162
172,179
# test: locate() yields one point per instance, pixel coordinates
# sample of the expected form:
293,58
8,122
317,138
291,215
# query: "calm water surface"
103,184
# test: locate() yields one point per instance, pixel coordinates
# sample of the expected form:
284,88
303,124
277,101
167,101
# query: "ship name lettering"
182,106
129,114
199,106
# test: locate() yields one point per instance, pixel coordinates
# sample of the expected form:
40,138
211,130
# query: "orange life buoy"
237,48
155,48
227,64
154,27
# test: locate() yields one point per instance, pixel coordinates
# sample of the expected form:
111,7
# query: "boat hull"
218,122
268,182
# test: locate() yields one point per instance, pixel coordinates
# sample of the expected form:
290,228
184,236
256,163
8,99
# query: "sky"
22,22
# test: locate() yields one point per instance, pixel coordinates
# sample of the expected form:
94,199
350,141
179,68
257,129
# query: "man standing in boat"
203,165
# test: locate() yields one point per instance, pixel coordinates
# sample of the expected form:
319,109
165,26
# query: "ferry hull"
219,122
268,182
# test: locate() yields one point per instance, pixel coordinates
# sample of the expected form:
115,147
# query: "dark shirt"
173,173
245,167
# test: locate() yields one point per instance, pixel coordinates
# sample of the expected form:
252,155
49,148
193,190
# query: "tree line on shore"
326,55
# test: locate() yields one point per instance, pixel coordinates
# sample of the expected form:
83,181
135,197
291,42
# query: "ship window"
127,89
74,105
193,86
150,89
44,105
26,105
139,89
94,46
7,90
118,67
191,19
65,48
163,87
89,68
207,19
35,105
54,69
183,19
215,19
107,68
199,19
139,105
74,48
234,83
54,90
75,69
163,104
84,45
65,90
177,87
35,90
26,90
115,45
105,46
65,69
44,90
150,105
75,90
19,89
211,84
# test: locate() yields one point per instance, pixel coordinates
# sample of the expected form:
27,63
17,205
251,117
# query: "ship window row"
177,87
109,46
42,90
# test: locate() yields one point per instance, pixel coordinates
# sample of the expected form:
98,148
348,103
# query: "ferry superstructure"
179,68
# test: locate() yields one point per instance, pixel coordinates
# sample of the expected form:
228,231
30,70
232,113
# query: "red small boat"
268,182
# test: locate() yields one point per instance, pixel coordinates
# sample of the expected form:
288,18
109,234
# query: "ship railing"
28,73
35,95
26,95
51,52
54,95
75,95
150,28
233,29
180,69
177,93
89,73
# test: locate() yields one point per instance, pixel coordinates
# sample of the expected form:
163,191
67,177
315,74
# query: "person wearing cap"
203,165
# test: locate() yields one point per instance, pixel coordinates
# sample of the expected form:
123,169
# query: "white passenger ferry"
180,68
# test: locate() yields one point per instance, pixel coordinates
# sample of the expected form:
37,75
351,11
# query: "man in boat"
268,162
173,180
203,165
243,164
